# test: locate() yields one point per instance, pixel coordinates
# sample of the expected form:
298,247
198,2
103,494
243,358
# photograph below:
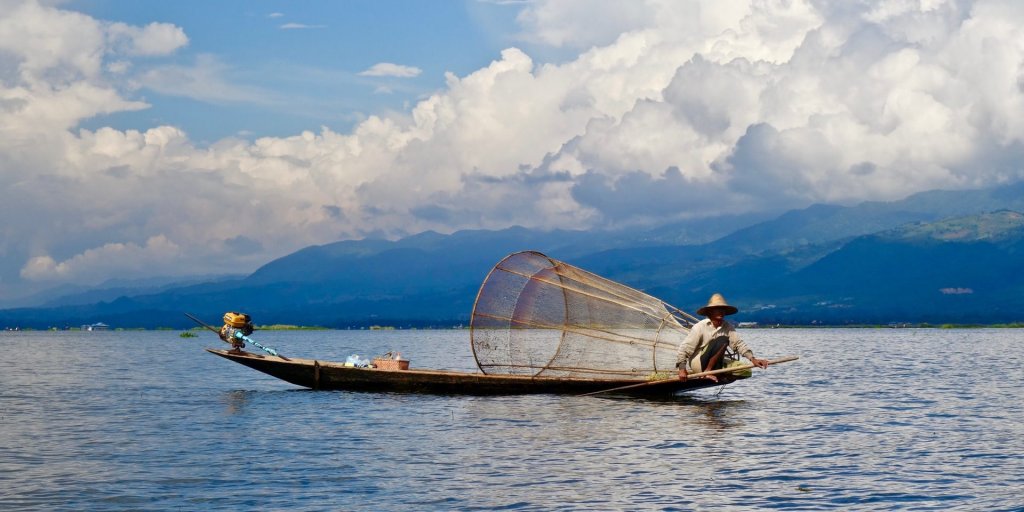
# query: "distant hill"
67,295
963,270
933,257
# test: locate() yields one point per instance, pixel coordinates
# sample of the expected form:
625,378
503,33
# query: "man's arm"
686,350
741,348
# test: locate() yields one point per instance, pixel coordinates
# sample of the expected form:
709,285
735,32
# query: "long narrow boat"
326,375
538,325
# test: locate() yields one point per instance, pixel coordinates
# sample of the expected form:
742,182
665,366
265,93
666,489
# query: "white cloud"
111,259
118,67
64,45
300,26
206,80
394,70
153,39
670,110
582,23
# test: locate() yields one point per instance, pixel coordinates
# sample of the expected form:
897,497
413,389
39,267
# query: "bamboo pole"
693,376
210,327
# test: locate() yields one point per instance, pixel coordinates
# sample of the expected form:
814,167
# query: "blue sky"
305,64
175,139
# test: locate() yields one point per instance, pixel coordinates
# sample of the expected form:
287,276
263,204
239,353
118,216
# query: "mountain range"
935,257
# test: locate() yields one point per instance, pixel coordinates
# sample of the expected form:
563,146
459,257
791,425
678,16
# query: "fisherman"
236,327
704,348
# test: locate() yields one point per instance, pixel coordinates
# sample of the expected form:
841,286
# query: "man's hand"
683,375
760,363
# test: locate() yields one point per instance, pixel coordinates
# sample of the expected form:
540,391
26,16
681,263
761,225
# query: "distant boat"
98,326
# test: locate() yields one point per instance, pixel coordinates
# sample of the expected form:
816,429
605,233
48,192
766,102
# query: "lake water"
867,419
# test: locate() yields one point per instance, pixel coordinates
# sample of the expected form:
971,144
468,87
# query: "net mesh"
538,316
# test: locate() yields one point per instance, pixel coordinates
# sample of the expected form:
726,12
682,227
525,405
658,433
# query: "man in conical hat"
704,348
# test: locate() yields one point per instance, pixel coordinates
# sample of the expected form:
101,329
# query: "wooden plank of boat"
326,375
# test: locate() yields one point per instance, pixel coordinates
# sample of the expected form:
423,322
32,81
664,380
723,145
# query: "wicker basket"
391,364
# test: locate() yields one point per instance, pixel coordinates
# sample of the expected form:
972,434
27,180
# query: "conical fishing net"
538,316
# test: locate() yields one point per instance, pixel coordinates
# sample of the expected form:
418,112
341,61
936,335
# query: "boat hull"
326,375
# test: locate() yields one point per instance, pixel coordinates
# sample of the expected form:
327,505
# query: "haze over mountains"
933,257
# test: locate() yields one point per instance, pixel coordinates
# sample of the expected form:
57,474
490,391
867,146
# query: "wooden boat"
538,326
326,375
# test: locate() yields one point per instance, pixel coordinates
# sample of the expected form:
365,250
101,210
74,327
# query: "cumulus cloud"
153,39
109,259
574,23
394,70
668,110
638,195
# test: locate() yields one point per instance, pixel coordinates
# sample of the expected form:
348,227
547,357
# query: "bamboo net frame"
538,316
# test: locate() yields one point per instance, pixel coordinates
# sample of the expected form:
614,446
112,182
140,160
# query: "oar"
240,335
692,376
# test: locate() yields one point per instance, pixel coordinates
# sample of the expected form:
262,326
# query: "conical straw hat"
717,301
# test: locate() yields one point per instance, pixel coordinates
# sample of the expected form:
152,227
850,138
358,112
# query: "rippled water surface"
867,419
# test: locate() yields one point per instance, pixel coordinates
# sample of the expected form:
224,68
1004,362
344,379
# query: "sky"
144,139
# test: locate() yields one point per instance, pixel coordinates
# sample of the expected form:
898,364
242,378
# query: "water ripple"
868,419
